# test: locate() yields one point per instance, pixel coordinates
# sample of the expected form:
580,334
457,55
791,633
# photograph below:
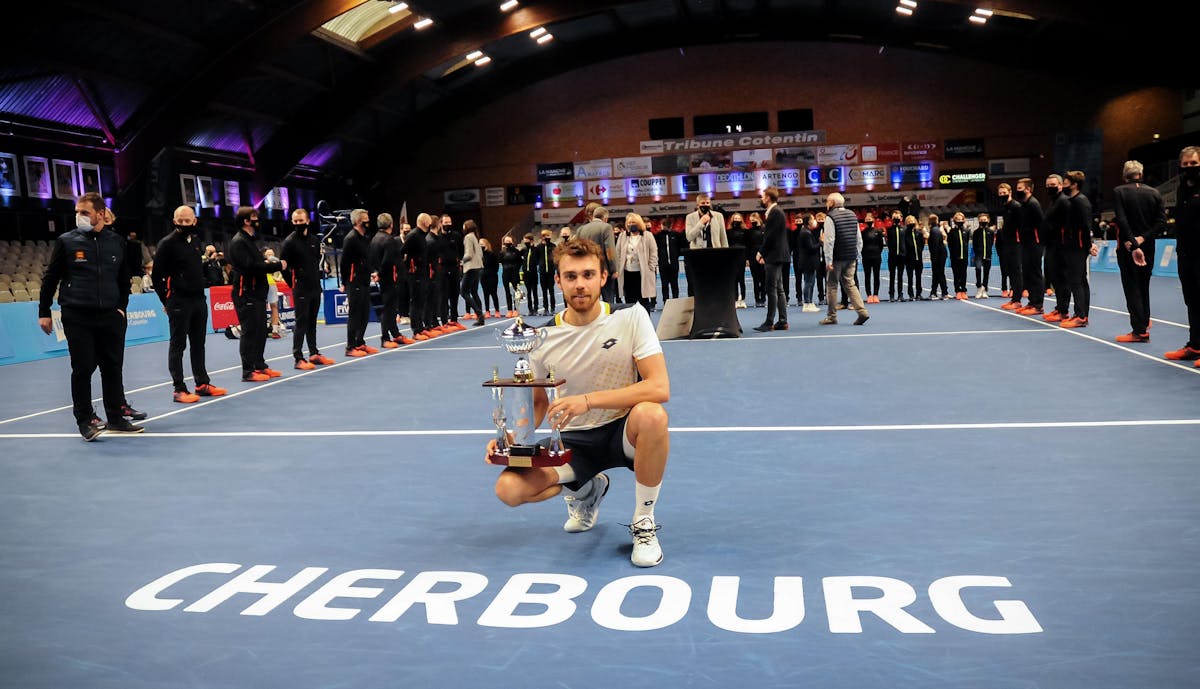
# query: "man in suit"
773,255
704,228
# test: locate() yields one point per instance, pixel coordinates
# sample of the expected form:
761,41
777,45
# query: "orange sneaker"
302,365
1184,353
270,372
1074,323
1052,317
185,397
356,353
256,377
1029,311
210,390
1133,337
320,360
404,340
388,344
1012,306
368,349
421,336
455,325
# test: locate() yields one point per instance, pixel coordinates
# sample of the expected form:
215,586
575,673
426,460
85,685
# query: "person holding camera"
212,264
704,228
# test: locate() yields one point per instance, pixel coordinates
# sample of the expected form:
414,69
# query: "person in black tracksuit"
529,274
419,282
893,237
1140,216
1187,245
301,251
1008,247
178,279
438,250
1032,251
385,259
983,243
490,278
1077,247
736,234
758,272
249,280
914,254
671,245
872,256
510,273
1053,237
87,268
544,255
937,257
958,247
451,241
356,282
808,259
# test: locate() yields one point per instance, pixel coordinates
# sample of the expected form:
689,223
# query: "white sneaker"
404,320
983,293
646,551
581,512
741,304
810,308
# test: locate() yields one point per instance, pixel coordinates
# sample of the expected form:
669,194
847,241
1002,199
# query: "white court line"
211,400
1013,425
1075,331
1126,313
835,335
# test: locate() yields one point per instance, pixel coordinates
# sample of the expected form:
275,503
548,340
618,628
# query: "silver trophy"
513,398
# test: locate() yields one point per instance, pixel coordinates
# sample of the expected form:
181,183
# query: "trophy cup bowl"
513,399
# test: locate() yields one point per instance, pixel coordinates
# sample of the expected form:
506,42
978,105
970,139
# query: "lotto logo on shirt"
80,256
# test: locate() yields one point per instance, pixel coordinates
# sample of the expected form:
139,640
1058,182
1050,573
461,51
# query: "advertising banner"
732,141
735,182
962,178
861,175
963,149
880,153
552,172
918,150
670,165
493,196
600,190
839,154
802,156
220,303
754,159
647,187
594,169
638,166
558,192
461,199
523,194
911,173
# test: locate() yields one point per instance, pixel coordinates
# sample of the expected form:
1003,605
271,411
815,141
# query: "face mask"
187,229
83,223
256,224
1004,198
703,209
1054,191
868,223
959,223
1191,175
736,224
1019,195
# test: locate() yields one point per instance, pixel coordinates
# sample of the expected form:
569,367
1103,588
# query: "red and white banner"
880,153
837,154
919,150
220,301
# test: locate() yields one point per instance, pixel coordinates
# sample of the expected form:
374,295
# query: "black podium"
713,274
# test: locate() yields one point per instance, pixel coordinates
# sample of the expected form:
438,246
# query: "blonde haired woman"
637,262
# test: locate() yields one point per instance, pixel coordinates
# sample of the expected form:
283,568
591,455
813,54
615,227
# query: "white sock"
566,474
646,497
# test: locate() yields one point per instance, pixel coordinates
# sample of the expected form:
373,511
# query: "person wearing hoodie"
935,238
872,257
893,237
983,243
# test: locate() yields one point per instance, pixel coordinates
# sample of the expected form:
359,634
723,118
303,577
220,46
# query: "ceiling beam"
162,118
89,95
128,21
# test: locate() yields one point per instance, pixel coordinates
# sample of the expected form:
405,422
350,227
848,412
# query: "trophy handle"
498,418
556,444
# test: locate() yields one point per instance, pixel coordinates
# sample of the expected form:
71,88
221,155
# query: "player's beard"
582,303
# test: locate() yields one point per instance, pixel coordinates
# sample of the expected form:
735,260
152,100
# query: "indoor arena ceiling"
321,84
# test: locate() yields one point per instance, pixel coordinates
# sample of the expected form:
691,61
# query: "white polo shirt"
601,355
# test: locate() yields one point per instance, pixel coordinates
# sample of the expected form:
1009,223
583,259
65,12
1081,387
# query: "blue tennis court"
949,496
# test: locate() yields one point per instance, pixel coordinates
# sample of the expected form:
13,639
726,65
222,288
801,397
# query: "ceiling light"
472,56
398,7
909,3
905,11
506,6
483,61
423,23
545,38
537,32
976,19
983,13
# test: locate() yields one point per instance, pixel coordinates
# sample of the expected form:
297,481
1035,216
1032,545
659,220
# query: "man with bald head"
179,282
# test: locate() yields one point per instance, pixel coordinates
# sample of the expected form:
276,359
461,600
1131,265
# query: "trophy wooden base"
531,457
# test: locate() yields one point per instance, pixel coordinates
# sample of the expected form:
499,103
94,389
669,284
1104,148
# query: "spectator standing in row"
637,262
510,273
1187,239
249,280
1140,218
843,243
773,257
356,283
489,279
472,267
671,243
179,277
872,259
301,252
